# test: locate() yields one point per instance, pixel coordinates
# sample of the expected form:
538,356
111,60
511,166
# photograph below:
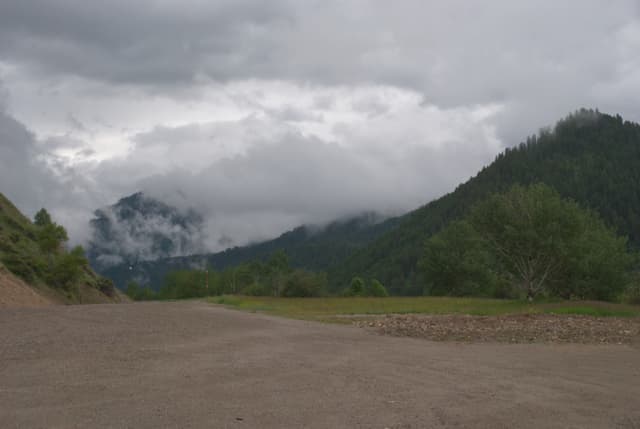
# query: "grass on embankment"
332,309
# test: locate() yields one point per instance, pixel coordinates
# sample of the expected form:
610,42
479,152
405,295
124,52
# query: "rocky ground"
522,328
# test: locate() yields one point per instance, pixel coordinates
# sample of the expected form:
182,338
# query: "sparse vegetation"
37,253
358,287
332,308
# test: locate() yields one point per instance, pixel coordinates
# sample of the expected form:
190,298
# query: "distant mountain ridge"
310,247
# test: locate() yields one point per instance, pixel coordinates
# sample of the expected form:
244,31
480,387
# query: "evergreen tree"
42,218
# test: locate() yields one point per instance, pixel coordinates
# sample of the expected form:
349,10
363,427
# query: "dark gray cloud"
454,52
540,59
264,115
20,174
146,42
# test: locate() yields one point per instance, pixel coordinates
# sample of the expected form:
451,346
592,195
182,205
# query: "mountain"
141,228
590,157
36,269
310,247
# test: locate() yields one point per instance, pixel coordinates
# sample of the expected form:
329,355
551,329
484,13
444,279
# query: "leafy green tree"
530,239
78,254
133,290
51,237
457,262
255,289
356,287
529,229
301,283
183,284
545,243
279,262
65,271
106,286
376,289
147,294
598,264
631,295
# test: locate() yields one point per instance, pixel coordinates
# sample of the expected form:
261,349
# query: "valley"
289,214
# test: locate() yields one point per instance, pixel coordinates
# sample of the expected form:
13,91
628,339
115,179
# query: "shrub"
377,289
133,290
356,288
19,266
65,271
106,286
254,289
302,283
632,294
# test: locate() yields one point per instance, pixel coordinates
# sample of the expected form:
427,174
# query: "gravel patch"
521,328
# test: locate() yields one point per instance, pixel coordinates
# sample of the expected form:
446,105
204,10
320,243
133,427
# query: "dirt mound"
521,328
16,293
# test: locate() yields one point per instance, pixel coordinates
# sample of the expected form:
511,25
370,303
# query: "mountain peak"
139,227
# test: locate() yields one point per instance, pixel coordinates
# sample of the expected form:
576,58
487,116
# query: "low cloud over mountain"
139,228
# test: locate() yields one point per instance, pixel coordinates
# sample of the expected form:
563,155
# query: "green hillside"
589,157
36,254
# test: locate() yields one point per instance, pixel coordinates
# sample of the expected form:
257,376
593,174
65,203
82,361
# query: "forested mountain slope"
590,157
313,248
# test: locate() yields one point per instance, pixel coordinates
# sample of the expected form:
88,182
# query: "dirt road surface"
193,365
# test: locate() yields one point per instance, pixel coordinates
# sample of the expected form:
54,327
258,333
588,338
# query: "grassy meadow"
334,309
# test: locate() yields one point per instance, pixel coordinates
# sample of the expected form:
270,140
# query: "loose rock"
520,328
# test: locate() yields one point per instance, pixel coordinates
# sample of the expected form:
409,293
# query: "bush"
377,289
356,288
457,262
183,284
133,290
146,294
254,289
106,286
632,294
302,284
19,266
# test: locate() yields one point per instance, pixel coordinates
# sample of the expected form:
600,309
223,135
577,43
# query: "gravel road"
190,364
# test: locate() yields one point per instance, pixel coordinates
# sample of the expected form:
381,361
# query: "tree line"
527,242
271,277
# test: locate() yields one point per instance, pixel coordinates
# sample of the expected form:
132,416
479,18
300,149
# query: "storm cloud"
264,115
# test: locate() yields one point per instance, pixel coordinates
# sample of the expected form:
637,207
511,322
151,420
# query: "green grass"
332,308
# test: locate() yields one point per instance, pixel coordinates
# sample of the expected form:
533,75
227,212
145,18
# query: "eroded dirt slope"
14,292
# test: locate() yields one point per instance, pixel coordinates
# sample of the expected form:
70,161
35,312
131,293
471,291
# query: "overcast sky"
264,115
